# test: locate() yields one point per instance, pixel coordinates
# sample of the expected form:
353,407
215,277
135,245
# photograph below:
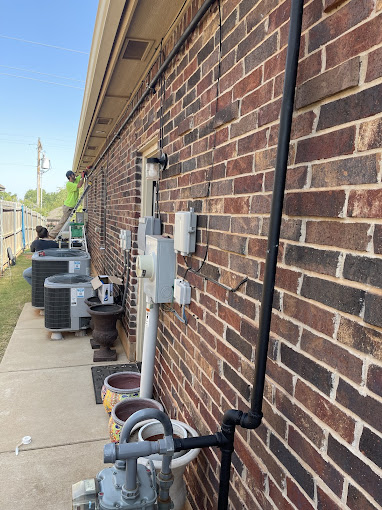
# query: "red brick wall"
319,445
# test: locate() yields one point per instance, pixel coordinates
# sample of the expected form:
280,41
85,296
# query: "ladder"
79,202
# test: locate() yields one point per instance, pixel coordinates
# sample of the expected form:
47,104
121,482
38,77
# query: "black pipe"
191,27
253,419
277,205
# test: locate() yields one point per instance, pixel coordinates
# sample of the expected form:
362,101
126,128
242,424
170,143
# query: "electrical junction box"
147,226
185,232
125,240
157,267
182,292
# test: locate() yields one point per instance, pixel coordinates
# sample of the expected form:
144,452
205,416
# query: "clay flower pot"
119,386
124,409
105,331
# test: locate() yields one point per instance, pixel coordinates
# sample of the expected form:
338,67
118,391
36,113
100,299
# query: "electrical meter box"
157,267
185,232
147,226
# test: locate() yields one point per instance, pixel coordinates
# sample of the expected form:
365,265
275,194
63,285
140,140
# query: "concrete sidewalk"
47,393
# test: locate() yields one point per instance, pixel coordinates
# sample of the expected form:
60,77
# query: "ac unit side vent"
57,308
84,322
40,271
135,49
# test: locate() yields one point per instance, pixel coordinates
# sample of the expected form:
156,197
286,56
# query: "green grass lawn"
14,293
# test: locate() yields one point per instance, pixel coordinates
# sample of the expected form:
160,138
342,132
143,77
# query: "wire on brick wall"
189,268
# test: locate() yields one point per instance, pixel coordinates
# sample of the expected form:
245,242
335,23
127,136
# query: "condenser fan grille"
40,271
57,308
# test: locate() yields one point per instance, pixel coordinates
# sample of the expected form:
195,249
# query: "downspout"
151,86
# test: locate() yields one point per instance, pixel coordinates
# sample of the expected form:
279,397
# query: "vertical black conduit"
252,419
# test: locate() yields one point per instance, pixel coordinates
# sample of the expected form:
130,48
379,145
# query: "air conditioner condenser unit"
65,308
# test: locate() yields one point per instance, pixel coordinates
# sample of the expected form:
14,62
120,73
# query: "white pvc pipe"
149,346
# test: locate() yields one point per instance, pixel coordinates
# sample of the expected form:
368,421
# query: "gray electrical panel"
148,226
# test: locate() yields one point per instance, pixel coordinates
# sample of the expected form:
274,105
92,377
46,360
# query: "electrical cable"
43,81
44,74
42,44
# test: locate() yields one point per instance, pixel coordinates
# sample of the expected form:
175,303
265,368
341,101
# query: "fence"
17,229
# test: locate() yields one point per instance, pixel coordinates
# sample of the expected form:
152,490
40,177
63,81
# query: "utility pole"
39,149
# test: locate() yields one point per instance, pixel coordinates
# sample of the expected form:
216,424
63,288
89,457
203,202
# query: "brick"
260,54
245,225
259,12
361,170
333,355
374,65
248,184
242,305
309,314
218,223
330,145
339,22
364,270
352,236
251,143
257,247
371,446
373,307
239,343
307,369
313,458
296,496
261,204
355,42
327,84
257,98
291,463
228,242
370,135
324,502
356,500
374,379
360,472
357,106
315,203
247,84
269,113
206,51
319,261
365,203
309,67
185,126
290,228
237,381
287,279
295,414
360,337
366,407
244,265
324,410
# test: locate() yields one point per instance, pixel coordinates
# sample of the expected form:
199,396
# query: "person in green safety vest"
73,187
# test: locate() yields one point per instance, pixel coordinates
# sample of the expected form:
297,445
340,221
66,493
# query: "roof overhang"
126,39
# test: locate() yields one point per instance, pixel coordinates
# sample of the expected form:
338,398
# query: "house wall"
319,445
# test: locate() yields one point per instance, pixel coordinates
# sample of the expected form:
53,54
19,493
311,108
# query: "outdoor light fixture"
154,165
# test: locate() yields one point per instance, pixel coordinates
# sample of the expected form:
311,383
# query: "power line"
42,44
43,81
45,74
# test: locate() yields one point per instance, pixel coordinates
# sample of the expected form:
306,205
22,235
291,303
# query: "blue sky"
30,109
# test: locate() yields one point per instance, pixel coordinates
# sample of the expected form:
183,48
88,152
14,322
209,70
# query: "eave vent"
135,49
103,120
92,147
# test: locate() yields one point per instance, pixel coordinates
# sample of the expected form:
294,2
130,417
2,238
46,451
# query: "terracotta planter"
124,409
105,332
119,386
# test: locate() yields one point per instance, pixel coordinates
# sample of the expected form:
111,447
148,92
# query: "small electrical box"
125,240
185,232
182,292
147,226
157,267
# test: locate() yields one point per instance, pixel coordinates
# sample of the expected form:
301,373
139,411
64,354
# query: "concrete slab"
54,406
43,478
34,349
30,318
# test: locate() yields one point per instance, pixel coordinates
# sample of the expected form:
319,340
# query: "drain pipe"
253,419
149,347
